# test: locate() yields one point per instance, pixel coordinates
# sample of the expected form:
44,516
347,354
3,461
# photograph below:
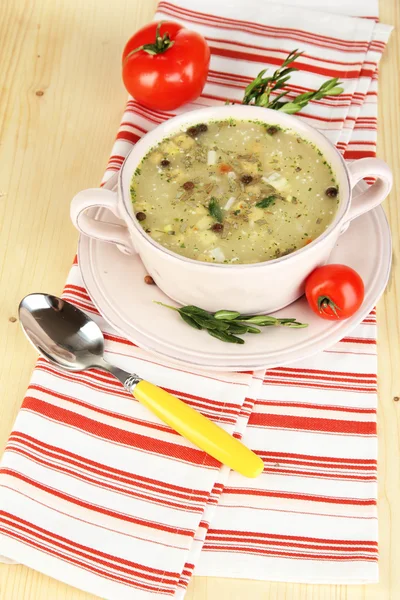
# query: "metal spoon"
69,339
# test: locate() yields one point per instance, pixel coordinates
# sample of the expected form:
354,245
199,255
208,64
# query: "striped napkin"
98,493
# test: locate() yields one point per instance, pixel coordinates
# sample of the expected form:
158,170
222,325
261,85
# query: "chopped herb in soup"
234,192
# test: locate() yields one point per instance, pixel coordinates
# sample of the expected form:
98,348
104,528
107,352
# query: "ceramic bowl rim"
265,115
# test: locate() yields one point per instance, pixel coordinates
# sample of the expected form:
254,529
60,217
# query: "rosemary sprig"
259,91
329,88
226,325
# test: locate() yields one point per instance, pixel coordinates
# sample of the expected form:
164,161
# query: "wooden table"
60,74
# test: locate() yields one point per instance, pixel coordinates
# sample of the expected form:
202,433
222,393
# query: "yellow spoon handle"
198,429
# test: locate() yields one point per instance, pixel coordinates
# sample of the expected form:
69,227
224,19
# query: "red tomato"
334,291
165,65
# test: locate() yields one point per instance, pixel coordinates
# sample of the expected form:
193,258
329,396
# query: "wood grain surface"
60,75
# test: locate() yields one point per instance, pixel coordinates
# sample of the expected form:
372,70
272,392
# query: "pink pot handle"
376,193
100,230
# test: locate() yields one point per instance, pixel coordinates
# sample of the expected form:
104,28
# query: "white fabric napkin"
96,492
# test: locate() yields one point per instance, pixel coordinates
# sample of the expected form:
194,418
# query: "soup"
234,192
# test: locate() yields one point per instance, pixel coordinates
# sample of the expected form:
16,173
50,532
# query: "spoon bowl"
61,332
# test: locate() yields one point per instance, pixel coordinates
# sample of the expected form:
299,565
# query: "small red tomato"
334,291
165,65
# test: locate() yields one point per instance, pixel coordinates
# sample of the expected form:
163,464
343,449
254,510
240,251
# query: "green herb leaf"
265,202
259,91
329,88
260,320
225,337
210,323
236,328
226,315
195,310
253,330
215,210
249,328
190,321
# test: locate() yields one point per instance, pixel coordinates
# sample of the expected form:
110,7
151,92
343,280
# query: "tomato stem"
161,44
325,302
